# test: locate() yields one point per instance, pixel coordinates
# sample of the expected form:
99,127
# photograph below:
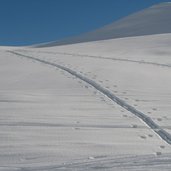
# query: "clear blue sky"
26,22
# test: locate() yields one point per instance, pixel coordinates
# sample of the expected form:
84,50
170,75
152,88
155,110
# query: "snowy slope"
101,105
153,20
53,120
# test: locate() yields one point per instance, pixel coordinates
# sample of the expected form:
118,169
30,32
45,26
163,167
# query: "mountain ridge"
153,20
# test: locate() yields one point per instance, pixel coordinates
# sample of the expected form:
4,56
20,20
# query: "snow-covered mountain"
96,105
154,20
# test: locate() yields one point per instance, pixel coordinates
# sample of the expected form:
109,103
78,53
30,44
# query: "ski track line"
108,58
117,59
127,163
145,118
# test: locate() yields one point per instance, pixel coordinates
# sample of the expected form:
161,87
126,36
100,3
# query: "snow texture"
101,105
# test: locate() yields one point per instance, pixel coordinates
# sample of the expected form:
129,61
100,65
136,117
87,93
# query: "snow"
51,120
153,20
101,105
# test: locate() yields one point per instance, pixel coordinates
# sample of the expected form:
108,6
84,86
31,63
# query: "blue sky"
26,22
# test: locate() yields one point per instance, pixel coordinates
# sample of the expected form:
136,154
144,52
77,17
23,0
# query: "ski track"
147,120
117,59
126,163
108,58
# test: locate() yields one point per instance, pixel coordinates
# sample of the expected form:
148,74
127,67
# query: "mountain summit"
153,20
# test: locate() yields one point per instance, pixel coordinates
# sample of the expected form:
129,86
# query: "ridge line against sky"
27,22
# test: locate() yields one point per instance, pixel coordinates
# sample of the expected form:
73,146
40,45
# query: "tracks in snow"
110,58
118,59
147,120
124,163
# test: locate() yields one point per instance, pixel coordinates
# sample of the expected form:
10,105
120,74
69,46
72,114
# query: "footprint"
99,157
76,128
137,100
125,116
124,92
135,105
162,146
134,126
143,136
154,109
159,119
115,86
126,98
149,112
107,87
86,87
150,135
115,91
100,81
158,153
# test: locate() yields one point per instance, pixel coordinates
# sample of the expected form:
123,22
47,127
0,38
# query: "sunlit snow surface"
51,120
